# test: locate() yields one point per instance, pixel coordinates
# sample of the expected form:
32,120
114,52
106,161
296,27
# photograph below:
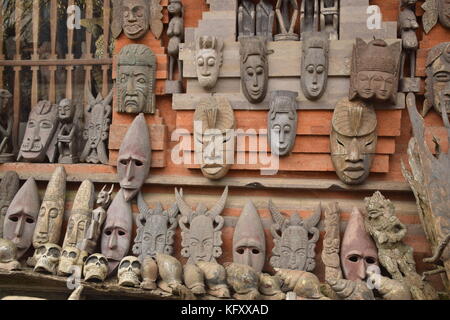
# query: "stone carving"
116,235
149,270
209,56
39,141
155,230
8,255
129,272
437,84
286,23
136,80
351,290
329,18
247,18
136,17
394,255
270,287
134,159
214,137
265,16
6,126
71,257
358,250
175,32
244,281
21,217
170,271
254,68
353,140
47,258
215,279
95,268
436,10
67,132
294,239
282,122
201,229
315,51
305,285
194,279
375,70
389,289
249,241
8,189
96,131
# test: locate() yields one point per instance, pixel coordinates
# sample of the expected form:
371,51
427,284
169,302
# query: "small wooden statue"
286,25
175,32
6,125
67,132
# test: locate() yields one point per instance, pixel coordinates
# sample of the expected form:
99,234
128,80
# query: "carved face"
47,258
444,12
155,235
66,111
438,81
255,78
216,146
294,246
135,18
96,268
371,84
133,82
71,257
208,67
174,7
201,242
129,272
314,72
76,229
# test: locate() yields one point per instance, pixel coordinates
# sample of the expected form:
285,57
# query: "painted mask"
282,122
8,189
201,230
358,250
136,19
22,216
249,241
209,59
353,140
133,162
254,68
136,72
315,50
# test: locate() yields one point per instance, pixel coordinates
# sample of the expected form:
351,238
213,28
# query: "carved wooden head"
353,140
5,97
377,206
66,111
8,189
209,59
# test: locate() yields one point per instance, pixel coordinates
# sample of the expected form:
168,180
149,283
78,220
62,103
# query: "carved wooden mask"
375,70
38,141
315,50
214,137
201,230
116,236
136,73
22,216
436,10
8,189
209,60
438,79
358,250
51,214
249,241
254,68
156,228
133,162
353,140
295,240
282,122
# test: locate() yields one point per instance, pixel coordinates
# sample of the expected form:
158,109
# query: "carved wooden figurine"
254,68
249,241
135,17
436,10
6,126
96,130
8,189
8,256
294,239
265,16
67,132
209,60
315,51
329,18
175,32
201,229
353,140
39,141
134,159
282,122
375,70
286,23
136,80
214,122
247,19
437,84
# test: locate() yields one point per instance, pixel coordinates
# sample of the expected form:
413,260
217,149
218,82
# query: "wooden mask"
249,241
22,216
294,239
133,162
436,10
282,122
375,70
254,68
209,60
353,140
201,230
8,189
136,79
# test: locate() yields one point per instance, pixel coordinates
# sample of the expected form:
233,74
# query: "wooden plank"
158,158
158,134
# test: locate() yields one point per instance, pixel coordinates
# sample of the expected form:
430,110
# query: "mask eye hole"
139,163
108,232
30,220
255,251
340,143
14,219
240,250
370,260
121,233
354,258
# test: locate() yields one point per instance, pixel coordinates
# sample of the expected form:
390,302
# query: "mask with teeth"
129,272
95,268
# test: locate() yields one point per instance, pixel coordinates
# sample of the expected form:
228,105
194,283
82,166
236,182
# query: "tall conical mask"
51,214
358,250
249,242
133,162
21,217
8,188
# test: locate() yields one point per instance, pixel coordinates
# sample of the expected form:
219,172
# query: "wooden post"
2,55
69,56
88,53
17,69
53,55
35,55
106,26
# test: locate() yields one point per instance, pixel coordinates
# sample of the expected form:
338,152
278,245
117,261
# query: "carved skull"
71,257
47,257
96,268
129,272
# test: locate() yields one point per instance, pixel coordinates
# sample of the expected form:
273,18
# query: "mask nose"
353,154
131,90
113,240
361,271
255,81
131,16
19,227
130,171
247,257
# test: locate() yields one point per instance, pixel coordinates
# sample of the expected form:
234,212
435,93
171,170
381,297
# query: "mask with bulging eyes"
209,58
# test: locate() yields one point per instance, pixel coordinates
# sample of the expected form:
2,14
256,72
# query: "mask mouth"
212,169
354,172
134,29
129,279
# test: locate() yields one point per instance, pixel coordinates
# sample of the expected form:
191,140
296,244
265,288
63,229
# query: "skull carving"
96,268
71,258
129,272
47,258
